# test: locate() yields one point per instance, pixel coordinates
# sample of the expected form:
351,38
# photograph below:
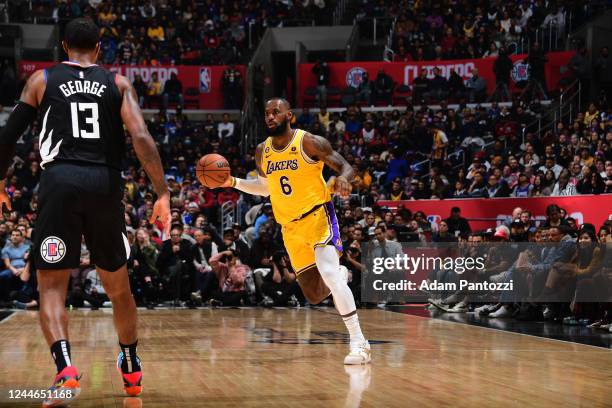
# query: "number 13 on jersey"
91,118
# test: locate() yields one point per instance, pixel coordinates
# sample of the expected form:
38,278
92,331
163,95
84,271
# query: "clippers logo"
52,249
520,71
354,77
205,80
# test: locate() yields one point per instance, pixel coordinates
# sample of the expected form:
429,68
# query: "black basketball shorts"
77,201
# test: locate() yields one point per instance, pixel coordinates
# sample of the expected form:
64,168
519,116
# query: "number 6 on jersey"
285,186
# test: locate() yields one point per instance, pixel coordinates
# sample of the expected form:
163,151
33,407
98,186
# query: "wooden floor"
289,358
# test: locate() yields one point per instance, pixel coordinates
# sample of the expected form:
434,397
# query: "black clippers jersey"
80,117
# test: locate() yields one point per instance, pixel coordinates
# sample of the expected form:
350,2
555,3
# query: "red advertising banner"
344,74
487,213
206,80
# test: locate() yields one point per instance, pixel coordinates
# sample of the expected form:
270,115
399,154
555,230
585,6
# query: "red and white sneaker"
132,382
65,388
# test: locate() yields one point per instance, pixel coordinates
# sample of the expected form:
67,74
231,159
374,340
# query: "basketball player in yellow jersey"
290,170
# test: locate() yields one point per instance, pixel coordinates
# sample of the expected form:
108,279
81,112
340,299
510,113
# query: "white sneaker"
501,312
486,309
481,309
360,354
548,312
460,307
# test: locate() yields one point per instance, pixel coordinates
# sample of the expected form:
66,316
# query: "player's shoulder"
39,76
260,147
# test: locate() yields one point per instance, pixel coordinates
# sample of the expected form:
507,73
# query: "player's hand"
229,182
5,200
161,210
342,187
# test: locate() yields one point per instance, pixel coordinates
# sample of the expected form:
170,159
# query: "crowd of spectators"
246,263
558,270
163,32
455,30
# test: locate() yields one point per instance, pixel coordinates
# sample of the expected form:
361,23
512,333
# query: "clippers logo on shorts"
205,79
354,77
52,249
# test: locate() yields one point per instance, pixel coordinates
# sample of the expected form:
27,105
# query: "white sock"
354,329
328,264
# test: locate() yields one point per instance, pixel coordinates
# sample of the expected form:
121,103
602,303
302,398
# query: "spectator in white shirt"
225,129
549,164
563,187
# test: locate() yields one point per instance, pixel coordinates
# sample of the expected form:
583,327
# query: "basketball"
212,170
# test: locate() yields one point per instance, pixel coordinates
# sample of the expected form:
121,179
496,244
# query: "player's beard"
279,130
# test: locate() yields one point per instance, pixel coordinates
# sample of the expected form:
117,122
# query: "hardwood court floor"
288,358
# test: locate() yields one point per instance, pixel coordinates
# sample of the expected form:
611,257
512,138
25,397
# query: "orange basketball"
212,170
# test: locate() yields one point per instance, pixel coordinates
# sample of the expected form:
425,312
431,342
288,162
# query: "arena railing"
374,28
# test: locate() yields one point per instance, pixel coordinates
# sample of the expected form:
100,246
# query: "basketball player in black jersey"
82,110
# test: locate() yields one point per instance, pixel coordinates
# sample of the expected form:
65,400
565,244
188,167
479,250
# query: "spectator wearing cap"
265,216
369,132
191,212
523,187
368,220
457,224
518,231
232,242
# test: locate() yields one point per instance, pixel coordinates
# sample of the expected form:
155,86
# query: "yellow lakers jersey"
295,181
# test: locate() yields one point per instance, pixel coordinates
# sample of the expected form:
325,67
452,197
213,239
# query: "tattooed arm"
319,148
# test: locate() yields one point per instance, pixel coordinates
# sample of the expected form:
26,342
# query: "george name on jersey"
90,87
281,165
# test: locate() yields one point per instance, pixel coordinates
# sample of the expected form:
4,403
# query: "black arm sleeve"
17,123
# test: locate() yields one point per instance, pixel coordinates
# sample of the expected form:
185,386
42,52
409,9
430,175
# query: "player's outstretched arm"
20,118
253,187
319,148
146,151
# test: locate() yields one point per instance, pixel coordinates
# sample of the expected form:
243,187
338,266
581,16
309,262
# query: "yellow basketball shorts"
302,236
